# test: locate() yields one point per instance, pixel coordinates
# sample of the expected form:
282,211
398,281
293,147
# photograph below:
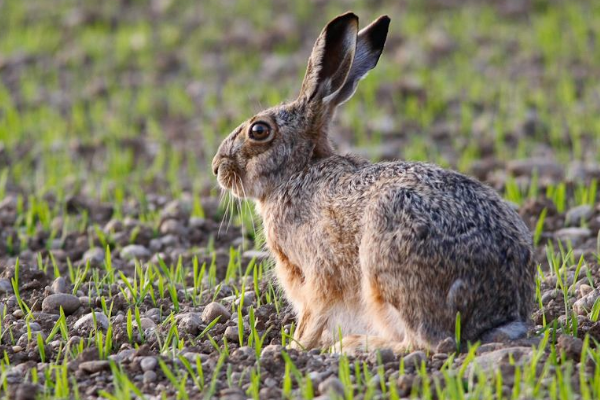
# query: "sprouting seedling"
41,347
197,377
215,376
15,284
240,308
457,332
539,227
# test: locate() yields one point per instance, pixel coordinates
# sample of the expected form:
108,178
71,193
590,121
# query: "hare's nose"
216,162
215,166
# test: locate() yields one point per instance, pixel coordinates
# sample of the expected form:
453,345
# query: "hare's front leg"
309,330
311,319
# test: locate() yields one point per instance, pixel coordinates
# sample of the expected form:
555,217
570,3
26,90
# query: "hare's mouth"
229,179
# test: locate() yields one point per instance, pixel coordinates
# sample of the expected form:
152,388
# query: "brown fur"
388,252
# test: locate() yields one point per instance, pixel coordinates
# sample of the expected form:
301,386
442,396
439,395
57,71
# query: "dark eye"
260,131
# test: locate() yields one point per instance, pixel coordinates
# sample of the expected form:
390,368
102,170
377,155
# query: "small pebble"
5,286
59,285
148,363
189,323
576,215
386,356
332,385
446,346
54,302
35,327
214,310
88,321
149,377
574,235
135,251
95,256
94,366
146,323
415,359
231,333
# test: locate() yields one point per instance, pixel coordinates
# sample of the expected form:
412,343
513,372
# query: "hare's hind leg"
402,286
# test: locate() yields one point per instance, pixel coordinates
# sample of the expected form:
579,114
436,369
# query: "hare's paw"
355,344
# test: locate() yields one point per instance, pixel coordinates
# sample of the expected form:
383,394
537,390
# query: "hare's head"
266,150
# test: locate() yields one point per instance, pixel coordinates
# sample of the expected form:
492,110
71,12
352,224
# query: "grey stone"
549,295
415,359
148,363
575,235
5,286
332,385
122,355
491,360
244,352
189,323
577,214
249,298
446,346
35,327
146,323
149,377
584,289
257,254
172,227
196,222
586,303
26,391
271,351
545,168
270,382
88,321
135,251
94,366
59,285
54,302
95,256
114,225
386,356
231,333
214,310
168,241
177,209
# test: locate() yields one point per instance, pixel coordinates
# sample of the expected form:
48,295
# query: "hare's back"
440,204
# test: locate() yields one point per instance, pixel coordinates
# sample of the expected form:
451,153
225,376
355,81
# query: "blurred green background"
120,98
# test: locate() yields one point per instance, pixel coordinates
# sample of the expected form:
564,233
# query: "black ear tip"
383,23
378,31
344,19
384,19
347,15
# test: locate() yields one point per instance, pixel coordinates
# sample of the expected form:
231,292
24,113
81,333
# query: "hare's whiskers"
227,196
249,209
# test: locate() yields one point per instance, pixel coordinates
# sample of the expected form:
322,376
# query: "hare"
388,254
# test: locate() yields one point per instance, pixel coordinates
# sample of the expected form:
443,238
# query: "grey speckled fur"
390,252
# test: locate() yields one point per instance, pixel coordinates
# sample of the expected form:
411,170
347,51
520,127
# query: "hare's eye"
259,131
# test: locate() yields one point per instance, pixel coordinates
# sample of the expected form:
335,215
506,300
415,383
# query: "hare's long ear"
368,49
331,59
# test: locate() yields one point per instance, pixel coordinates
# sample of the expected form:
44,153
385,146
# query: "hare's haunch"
388,253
